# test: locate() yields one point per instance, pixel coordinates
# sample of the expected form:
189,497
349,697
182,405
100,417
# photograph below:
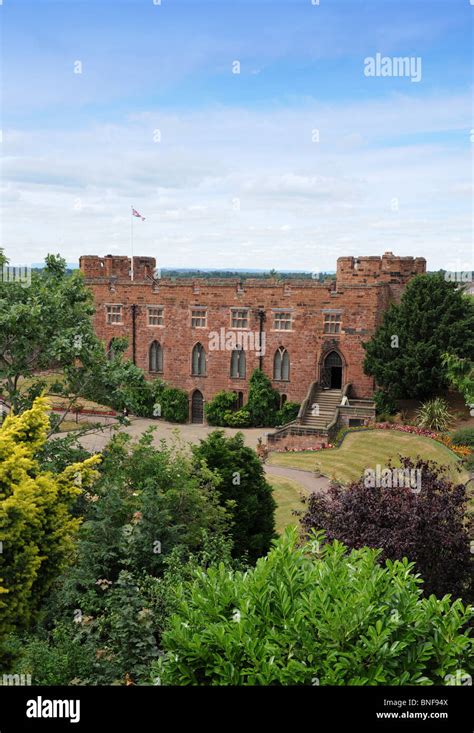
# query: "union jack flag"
135,213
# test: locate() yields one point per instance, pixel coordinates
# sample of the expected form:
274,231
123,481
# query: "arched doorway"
197,407
331,371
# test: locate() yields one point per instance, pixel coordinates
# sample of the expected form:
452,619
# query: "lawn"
366,449
287,495
60,401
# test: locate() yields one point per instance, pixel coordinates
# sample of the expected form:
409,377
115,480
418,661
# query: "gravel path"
186,433
306,478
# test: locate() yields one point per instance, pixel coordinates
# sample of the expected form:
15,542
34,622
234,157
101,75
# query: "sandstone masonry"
183,330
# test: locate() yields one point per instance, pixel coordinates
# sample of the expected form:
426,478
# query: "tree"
151,512
405,354
313,614
45,325
148,501
37,527
426,526
263,401
460,373
221,403
243,489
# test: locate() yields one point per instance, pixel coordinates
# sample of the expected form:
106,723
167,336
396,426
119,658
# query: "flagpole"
131,237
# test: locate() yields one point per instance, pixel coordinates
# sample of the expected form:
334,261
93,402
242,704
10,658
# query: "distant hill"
207,272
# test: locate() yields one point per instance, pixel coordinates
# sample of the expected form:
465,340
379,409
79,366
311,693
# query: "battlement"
118,266
386,269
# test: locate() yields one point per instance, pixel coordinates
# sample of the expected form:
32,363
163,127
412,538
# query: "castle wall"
360,296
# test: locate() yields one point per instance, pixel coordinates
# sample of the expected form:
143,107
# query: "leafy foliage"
243,489
151,514
175,405
223,402
115,381
434,414
460,373
428,527
118,640
287,413
313,615
384,403
237,419
45,325
433,316
464,436
263,400
37,528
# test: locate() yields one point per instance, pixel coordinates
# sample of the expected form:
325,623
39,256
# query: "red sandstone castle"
206,335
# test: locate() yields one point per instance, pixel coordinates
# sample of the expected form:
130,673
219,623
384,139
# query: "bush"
434,415
469,463
287,413
223,402
263,401
37,526
427,527
384,403
243,489
464,436
174,405
310,615
237,419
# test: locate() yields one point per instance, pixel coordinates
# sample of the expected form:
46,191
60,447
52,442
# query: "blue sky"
292,162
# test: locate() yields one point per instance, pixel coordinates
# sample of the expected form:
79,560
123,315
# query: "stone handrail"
336,414
307,401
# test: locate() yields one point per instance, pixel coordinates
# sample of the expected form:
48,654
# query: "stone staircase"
321,409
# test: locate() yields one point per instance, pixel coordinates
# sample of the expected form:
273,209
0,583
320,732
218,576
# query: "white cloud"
225,177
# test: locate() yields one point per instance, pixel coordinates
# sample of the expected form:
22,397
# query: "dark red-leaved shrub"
429,527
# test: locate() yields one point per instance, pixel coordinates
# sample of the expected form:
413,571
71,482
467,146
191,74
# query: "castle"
206,335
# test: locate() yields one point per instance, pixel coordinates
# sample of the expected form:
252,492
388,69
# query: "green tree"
314,614
460,373
37,528
221,403
151,512
405,354
263,401
44,325
243,489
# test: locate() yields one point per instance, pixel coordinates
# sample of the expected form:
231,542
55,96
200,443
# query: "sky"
248,133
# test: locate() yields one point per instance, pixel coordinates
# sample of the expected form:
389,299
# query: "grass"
361,450
287,495
60,401
70,425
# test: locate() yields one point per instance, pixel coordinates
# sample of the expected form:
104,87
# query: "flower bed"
462,451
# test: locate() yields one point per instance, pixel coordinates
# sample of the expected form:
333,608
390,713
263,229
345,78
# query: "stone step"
321,411
316,421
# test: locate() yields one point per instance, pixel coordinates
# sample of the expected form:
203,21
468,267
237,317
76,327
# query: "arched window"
237,364
281,365
199,361
155,357
283,399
